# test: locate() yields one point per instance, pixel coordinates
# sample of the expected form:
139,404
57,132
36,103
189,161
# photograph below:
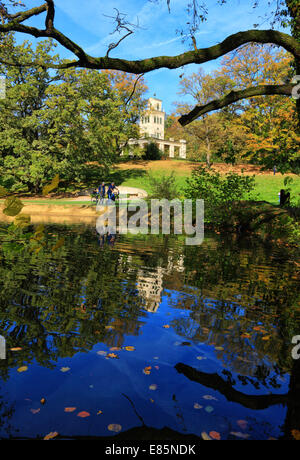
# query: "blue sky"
85,22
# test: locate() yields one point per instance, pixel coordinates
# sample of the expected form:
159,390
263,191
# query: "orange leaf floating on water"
43,401
245,336
112,355
147,370
115,349
16,349
215,435
51,435
69,409
22,369
83,414
266,337
114,427
99,412
166,326
156,367
129,348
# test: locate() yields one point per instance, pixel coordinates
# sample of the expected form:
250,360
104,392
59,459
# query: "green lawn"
267,187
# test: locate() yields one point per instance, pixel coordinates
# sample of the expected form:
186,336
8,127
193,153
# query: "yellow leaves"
52,186
153,387
22,369
129,348
12,206
166,326
147,370
16,349
266,337
205,436
51,435
114,427
65,369
112,355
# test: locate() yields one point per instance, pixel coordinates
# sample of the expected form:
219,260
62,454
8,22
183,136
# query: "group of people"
101,192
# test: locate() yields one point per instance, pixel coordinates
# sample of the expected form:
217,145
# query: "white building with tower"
152,129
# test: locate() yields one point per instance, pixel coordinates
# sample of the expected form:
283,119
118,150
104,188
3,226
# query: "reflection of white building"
150,287
152,129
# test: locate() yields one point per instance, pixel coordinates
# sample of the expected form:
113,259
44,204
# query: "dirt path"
185,167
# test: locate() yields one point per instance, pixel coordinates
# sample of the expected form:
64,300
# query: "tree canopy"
287,13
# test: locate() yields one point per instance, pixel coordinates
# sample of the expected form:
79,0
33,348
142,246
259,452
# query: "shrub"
163,187
219,192
152,152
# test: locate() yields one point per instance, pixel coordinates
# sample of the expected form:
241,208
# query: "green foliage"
152,152
61,124
163,187
219,192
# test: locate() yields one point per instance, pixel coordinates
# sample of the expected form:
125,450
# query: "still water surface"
145,331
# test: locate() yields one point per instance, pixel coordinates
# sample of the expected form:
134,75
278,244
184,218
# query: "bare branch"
234,96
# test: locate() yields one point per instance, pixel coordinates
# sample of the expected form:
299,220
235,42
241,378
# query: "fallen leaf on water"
197,406
245,336
166,326
83,414
209,409
129,348
147,370
69,409
156,367
219,348
266,337
115,349
210,398
65,369
153,387
242,424
112,355
51,435
201,357
152,400
205,436
35,411
239,435
114,427
22,369
43,401
16,349
102,353
215,435
99,412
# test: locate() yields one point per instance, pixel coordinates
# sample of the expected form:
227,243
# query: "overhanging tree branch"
234,96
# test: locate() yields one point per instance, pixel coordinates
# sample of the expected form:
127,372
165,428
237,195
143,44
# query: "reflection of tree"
256,402
56,304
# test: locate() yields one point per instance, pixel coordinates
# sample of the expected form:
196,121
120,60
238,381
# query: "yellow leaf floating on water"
114,427
153,387
266,337
115,349
197,406
51,435
112,355
147,370
219,348
23,369
65,369
99,412
129,348
16,349
205,436
166,326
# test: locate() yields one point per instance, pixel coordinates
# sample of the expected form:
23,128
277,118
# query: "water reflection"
214,319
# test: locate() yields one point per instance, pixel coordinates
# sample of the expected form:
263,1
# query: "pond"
147,335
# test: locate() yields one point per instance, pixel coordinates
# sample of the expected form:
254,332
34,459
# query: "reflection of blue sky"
85,23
